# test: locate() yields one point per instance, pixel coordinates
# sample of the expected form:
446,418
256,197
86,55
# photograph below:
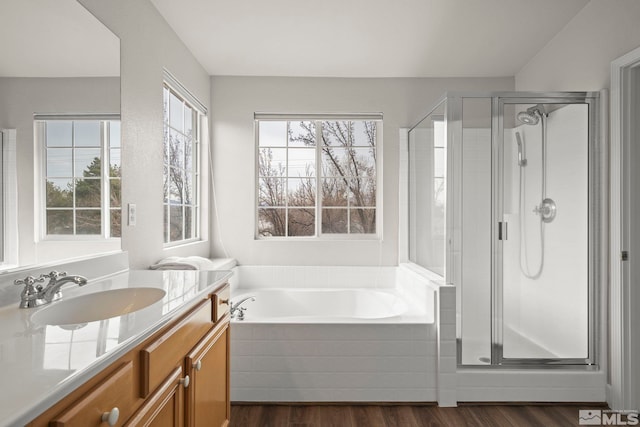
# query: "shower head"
532,115
528,118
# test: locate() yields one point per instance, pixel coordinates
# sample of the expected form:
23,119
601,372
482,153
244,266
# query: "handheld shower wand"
522,161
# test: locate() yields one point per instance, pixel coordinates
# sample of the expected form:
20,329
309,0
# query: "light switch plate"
132,214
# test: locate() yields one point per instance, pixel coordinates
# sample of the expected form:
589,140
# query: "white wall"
579,57
21,98
147,44
474,256
234,100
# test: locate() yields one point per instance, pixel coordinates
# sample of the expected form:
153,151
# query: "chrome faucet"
51,292
35,295
30,296
236,311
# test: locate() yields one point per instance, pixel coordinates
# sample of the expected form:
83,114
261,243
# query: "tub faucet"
237,312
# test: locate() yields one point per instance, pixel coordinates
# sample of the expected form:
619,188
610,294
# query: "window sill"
334,238
182,243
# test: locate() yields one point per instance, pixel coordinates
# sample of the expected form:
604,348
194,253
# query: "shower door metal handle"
502,230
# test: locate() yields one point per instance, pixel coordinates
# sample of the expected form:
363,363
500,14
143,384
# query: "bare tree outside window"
181,143
295,159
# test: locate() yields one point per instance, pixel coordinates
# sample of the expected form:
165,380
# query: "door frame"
596,217
623,385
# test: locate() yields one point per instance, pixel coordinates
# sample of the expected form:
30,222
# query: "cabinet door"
164,408
208,365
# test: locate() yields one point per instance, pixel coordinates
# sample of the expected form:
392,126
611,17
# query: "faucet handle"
54,275
28,281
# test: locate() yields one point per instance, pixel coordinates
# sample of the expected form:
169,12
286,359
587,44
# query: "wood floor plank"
427,416
367,415
274,416
405,415
245,415
529,416
486,416
399,416
320,416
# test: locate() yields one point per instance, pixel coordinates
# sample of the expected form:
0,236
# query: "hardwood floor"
405,415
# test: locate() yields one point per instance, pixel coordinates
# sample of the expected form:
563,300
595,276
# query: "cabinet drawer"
221,300
116,391
163,354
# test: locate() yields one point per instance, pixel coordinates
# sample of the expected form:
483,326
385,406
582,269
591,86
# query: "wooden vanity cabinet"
113,392
178,377
207,399
164,408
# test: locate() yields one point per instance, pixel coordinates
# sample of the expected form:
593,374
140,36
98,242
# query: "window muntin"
82,178
181,168
298,157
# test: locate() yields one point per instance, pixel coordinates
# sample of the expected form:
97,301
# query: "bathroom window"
317,176
439,177
181,166
81,168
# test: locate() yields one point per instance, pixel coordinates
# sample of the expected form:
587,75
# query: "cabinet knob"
111,417
185,381
198,365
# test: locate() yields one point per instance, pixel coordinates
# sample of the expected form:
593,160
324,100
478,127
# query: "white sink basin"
97,306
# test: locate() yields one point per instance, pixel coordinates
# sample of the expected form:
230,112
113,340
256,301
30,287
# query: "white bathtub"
281,305
319,334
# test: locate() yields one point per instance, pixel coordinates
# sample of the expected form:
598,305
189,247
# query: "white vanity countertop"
40,364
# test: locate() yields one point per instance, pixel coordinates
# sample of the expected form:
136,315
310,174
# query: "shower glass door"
543,283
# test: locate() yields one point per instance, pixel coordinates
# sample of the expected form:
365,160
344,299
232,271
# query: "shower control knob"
546,210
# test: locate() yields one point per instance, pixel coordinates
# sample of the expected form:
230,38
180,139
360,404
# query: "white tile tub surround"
475,385
268,276
312,362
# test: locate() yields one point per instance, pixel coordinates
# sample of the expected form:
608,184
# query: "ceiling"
46,38
367,38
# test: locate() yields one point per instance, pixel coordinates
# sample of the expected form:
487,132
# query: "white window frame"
200,111
9,203
40,121
2,202
318,118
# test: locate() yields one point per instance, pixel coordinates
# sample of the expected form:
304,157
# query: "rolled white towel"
183,263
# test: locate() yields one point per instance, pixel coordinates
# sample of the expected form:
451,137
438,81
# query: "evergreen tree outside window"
82,177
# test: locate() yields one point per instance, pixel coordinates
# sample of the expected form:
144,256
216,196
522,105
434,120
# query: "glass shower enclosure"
505,204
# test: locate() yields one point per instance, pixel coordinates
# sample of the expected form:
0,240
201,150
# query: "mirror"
60,122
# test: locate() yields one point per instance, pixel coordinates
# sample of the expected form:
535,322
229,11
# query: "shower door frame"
596,202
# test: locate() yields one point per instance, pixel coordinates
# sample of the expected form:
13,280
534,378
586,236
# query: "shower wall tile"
537,386
447,359
259,276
